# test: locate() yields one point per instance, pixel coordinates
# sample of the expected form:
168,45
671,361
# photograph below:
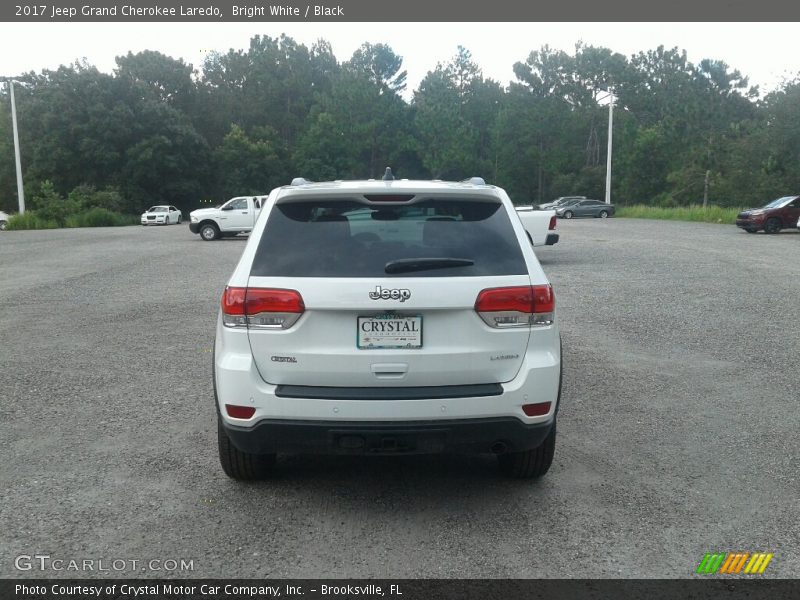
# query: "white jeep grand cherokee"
387,317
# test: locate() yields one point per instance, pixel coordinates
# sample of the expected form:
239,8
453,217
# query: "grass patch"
30,220
94,217
100,217
710,214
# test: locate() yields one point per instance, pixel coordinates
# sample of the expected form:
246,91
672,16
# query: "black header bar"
398,11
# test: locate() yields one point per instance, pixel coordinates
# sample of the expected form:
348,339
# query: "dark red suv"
782,213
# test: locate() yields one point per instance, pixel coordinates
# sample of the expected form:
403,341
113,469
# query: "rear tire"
530,464
603,214
209,232
751,230
568,214
772,225
239,465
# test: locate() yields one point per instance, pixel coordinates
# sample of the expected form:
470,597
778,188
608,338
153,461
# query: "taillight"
261,308
522,306
553,221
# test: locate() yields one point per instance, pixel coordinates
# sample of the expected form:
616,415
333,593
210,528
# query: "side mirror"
530,238
227,207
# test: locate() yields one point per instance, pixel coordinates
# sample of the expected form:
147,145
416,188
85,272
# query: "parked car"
540,225
3,221
781,213
161,215
560,202
236,216
387,317
585,208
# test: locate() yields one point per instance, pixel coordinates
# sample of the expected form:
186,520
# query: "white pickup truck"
236,216
540,225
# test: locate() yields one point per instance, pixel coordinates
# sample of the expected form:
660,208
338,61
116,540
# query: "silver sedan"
586,208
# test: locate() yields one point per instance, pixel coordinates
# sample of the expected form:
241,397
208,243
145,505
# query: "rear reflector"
239,412
265,308
516,306
536,410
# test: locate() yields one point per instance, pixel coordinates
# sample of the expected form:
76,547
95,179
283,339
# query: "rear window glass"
348,239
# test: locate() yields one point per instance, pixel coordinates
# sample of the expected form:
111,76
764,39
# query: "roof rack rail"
474,180
300,181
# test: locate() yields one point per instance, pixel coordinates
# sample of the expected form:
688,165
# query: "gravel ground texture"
678,432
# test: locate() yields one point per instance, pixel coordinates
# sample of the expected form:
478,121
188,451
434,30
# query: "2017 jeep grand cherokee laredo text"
387,317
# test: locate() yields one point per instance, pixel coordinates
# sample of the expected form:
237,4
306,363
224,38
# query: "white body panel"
458,347
238,381
537,223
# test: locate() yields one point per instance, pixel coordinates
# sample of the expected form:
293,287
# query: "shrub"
665,200
85,197
84,207
100,217
30,220
51,206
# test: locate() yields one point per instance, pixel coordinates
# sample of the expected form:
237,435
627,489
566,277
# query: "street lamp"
20,189
610,134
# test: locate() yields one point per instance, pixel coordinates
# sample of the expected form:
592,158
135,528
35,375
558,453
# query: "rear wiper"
404,265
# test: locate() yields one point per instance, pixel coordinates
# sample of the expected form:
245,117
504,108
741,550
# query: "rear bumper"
416,437
552,238
463,418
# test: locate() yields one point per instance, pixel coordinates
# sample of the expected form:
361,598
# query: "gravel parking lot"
678,433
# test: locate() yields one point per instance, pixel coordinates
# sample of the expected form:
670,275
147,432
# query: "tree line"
158,131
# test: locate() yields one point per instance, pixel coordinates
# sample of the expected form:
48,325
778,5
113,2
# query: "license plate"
389,331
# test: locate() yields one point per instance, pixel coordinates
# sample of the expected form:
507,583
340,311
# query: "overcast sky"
765,52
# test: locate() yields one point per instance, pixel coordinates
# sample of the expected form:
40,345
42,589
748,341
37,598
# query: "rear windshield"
433,238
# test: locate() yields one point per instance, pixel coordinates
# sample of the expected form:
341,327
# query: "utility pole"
20,190
610,134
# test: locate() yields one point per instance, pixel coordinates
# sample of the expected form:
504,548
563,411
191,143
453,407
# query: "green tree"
381,66
251,164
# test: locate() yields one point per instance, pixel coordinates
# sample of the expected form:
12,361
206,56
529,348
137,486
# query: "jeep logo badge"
382,294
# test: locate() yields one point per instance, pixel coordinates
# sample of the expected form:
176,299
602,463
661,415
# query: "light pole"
20,189
610,135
